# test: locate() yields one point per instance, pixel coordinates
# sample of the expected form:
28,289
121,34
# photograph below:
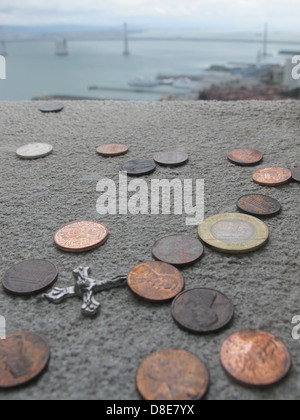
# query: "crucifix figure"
85,288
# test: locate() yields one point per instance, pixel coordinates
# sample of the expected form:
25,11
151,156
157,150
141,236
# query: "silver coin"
34,150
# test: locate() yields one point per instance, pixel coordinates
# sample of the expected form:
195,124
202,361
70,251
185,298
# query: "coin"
245,157
51,107
259,205
34,151
178,250
23,356
171,158
255,358
155,281
202,310
139,167
234,233
81,236
172,374
30,276
296,174
272,177
114,149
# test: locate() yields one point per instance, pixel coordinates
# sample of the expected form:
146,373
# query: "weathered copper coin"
34,151
171,158
202,310
113,149
30,276
51,107
259,205
139,167
272,177
296,174
178,250
155,281
23,356
234,233
255,358
81,236
172,375
245,157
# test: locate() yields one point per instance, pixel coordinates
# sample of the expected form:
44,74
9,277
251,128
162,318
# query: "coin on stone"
155,281
81,236
245,157
178,250
171,158
272,177
51,107
29,277
255,358
113,149
296,174
23,356
139,167
259,205
34,151
202,310
234,233
172,374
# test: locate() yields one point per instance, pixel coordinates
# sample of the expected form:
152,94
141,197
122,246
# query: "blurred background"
149,50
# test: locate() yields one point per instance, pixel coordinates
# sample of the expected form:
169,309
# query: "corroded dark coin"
272,177
296,174
245,157
23,356
178,250
171,158
259,205
202,310
255,358
51,107
81,236
172,375
139,167
30,276
155,281
113,149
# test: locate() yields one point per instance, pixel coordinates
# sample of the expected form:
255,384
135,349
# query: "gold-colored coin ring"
243,233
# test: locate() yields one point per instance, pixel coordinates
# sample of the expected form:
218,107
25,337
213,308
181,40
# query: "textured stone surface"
98,358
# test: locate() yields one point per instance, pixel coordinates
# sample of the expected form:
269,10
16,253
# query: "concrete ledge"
98,358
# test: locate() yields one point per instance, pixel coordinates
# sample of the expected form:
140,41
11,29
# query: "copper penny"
23,356
245,157
178,250
171,158
259,205
30,276
202,310
272,177
81,236
155,281
113,149
296,174
255,358
51,107
172,375
139,167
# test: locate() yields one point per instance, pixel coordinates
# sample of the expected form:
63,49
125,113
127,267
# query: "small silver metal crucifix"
85,288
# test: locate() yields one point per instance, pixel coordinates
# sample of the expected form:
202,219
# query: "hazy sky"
206,14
